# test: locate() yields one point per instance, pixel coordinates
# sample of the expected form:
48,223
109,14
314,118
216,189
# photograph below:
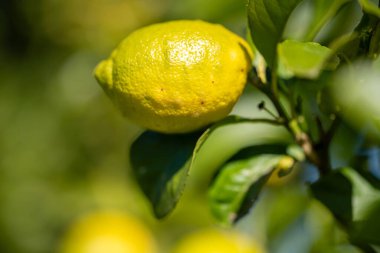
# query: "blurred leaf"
280,208
304,59
218,11
353,201
365,39
231,135
236,178
335,192
376,64
367,230
312,102
355,90
267,21
160,163
370,7
323,10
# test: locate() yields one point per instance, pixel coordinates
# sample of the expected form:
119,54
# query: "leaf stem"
331,131
274,79
316,154
374,45
264,120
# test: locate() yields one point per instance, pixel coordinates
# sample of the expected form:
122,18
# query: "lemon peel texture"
178,76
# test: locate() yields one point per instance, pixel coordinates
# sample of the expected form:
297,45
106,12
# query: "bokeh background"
63,146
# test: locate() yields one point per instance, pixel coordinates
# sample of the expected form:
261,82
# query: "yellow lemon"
178,76
108,232
217,241
286,164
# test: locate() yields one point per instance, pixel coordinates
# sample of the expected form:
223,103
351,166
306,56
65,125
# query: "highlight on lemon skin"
178,76
217,241
108,232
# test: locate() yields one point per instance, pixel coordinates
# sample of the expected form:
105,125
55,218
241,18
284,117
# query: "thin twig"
263,120
291,125
330,133
321,131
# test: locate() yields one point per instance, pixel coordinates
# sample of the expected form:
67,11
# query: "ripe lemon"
217,241
108,232
178,76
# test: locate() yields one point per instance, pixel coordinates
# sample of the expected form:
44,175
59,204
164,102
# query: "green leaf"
376,64
323,11
370,7
160,164
355,91
365,39
353,201
304,59
312,101
267,21
223,140
231,186
335,192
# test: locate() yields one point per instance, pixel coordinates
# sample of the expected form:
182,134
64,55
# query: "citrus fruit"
178,76
217,241
108,232
285,165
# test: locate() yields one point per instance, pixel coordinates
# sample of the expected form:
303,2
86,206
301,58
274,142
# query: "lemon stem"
316,153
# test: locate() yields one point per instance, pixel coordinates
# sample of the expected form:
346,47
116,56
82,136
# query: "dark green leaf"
367,230
353,201
160,163
335,192
230,188
365,40
304,59
267,21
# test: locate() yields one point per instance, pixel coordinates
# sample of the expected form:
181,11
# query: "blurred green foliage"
63,146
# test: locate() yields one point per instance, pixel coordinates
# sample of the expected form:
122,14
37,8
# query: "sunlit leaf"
162,162
267,21
236,178
304,59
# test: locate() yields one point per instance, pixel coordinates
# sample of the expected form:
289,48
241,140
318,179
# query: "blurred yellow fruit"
217,241
285,165
178,76
108,232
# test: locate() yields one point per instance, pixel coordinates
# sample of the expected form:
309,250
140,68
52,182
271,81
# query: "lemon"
217,241
286,164
108,232
178,76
